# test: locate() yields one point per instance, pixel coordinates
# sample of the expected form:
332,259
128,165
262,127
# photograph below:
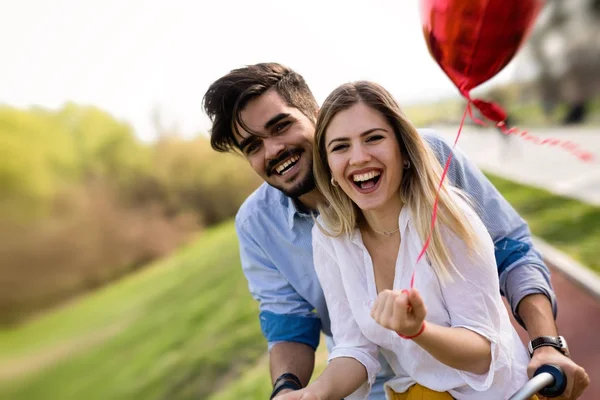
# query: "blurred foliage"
192,176
42,152
520,100
83,201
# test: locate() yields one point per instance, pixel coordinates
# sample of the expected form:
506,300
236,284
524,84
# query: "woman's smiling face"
364,156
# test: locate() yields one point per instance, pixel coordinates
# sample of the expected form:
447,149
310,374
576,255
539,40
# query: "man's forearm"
525,280
291,357
535,311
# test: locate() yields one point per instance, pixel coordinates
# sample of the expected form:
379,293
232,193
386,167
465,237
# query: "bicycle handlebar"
548,380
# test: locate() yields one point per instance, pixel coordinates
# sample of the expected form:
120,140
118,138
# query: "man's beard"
305,185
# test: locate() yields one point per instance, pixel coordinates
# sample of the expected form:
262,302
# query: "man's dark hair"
227,97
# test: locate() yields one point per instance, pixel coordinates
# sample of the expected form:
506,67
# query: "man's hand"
577,378
402,312
303,394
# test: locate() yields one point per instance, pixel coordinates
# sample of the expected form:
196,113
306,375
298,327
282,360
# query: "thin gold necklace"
387,233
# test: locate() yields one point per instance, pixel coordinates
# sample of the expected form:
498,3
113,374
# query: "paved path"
552,168
561,172
578,321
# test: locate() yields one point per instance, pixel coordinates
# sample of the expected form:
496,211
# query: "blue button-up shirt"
276,252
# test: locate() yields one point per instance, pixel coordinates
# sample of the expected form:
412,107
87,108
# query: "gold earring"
334,183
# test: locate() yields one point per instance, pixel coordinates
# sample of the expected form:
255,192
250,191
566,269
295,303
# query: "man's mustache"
286,154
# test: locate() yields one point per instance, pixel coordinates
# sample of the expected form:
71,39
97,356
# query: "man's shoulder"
264,200
432,137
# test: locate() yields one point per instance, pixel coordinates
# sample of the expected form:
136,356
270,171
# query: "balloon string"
437,196
566,144
495,113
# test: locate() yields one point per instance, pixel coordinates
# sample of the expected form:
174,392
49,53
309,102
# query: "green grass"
567,224
170,332
255,383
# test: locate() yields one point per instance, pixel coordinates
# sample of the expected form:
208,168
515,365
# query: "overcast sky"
129,56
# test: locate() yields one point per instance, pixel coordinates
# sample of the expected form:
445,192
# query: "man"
267,112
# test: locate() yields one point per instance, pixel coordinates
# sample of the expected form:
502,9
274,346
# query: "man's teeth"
365,177
286,164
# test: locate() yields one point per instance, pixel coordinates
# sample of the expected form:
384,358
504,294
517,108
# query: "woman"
451,337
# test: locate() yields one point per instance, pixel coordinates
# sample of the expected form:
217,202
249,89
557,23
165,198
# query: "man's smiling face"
279,144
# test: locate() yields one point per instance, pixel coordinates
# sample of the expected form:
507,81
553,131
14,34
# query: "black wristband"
286,384
288,376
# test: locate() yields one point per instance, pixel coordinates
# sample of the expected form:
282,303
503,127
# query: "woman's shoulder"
317,230
320,237
324,238
323,232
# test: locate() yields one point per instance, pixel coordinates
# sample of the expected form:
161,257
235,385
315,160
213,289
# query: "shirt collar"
292,211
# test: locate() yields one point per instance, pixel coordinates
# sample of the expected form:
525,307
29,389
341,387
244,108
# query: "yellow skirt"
418,392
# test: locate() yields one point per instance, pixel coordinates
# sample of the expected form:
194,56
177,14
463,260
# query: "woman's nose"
359,155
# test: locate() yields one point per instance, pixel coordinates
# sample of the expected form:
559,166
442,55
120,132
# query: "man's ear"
317,114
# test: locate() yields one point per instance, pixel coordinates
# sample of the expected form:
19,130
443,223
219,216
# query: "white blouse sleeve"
347,336
473,301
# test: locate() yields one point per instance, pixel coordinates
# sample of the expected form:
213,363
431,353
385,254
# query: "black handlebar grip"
560,380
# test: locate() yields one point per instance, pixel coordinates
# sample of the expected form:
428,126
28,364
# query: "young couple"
331,241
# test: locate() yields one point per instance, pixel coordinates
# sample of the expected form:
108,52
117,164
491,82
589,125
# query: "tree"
565,46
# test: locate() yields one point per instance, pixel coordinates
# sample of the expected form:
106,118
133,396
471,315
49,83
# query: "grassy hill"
176,330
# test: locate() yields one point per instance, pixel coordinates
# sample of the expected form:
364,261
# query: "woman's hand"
401,311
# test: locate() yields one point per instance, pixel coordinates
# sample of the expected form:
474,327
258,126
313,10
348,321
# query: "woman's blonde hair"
419,183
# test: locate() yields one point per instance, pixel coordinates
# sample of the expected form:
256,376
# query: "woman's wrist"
414,335
320,389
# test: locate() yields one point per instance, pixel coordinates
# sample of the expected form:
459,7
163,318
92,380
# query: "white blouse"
345,271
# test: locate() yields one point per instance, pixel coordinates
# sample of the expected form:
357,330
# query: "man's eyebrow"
342,139
276,119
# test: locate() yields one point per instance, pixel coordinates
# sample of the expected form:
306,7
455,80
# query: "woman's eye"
374,138
338,147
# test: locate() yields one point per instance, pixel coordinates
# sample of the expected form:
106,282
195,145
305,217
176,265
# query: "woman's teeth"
283,168
365,177
367,180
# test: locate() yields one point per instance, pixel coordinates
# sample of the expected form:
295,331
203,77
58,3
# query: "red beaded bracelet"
414,336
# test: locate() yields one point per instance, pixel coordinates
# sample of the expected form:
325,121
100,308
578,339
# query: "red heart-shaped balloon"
473,40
